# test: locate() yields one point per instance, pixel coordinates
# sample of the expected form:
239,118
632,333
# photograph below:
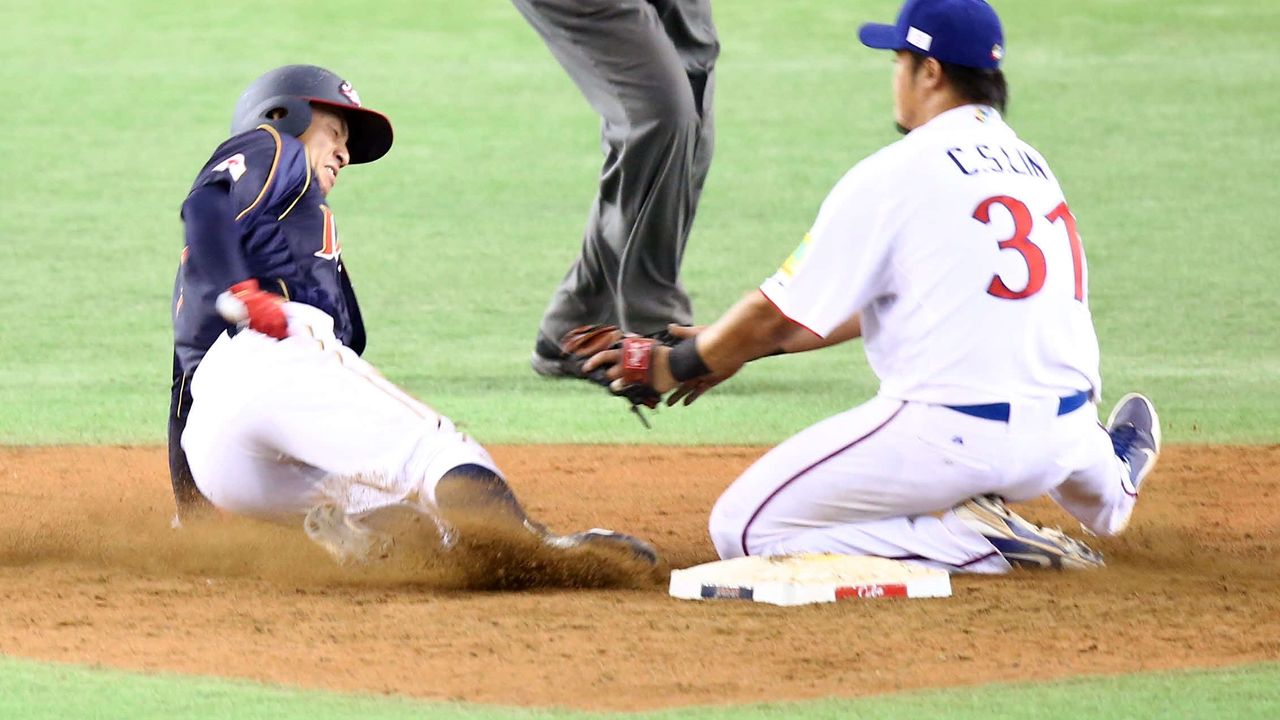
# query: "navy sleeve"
212,237
263,172
232,220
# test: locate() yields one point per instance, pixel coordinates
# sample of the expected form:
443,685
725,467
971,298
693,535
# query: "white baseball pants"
882,479
278,426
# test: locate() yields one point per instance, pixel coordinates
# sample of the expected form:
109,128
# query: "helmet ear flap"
288,115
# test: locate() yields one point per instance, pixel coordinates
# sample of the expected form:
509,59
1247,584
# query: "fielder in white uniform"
954,254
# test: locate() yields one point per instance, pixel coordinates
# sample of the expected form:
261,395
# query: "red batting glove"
265,312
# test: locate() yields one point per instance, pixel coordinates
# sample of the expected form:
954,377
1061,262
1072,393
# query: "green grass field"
1159,124
1159,119
38,691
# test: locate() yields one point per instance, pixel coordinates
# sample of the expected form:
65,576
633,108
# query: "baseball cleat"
1134,428
343,537
551,367
548,360
600,537
1022,543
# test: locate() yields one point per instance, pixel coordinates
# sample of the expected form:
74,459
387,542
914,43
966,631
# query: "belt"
1000,411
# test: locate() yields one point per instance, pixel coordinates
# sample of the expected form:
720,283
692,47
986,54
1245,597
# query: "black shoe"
548,360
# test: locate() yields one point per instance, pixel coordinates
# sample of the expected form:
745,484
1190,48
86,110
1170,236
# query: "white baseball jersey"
958,248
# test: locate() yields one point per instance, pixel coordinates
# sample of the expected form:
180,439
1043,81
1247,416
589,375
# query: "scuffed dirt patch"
91,573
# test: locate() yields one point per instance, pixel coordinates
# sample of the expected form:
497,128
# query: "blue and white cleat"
1024,544
1134,428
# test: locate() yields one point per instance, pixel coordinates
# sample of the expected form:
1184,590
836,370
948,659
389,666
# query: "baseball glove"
582,342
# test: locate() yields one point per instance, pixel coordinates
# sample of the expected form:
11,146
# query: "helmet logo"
997,52
349,93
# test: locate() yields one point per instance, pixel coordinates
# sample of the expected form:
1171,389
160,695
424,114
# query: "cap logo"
919,38
349,93
997,52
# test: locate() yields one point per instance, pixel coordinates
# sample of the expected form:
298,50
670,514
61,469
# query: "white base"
805,579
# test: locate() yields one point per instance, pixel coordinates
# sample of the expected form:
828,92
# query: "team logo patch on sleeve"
233,165
792,264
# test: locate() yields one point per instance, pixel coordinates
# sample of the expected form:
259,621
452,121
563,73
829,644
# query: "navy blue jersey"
256,211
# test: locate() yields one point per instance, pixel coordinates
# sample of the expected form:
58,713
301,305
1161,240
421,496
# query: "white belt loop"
1030,415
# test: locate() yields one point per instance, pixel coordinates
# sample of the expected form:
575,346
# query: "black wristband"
685,362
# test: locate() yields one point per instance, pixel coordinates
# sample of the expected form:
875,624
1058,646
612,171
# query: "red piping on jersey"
797,476
788,317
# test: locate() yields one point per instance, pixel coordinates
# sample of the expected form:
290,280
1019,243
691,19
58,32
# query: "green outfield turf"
35,692
1159,120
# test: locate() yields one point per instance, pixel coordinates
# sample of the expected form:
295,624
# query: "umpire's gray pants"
646,66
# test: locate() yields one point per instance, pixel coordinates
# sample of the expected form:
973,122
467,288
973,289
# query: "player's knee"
667,113
473,486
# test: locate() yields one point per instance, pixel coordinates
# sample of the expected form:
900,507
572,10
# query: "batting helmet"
289,92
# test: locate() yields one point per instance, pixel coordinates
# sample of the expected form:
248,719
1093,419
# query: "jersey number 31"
1031,254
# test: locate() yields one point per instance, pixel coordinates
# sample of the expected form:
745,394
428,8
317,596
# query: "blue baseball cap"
960,32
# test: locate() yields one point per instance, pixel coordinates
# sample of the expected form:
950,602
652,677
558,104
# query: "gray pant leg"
688,24
646,68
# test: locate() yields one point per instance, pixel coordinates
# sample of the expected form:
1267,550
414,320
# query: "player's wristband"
637,360
686,363
245,286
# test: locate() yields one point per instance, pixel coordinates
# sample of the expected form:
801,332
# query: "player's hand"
685,332
691,390
264,311
614,362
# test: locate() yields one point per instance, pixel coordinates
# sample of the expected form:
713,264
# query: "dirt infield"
90,573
